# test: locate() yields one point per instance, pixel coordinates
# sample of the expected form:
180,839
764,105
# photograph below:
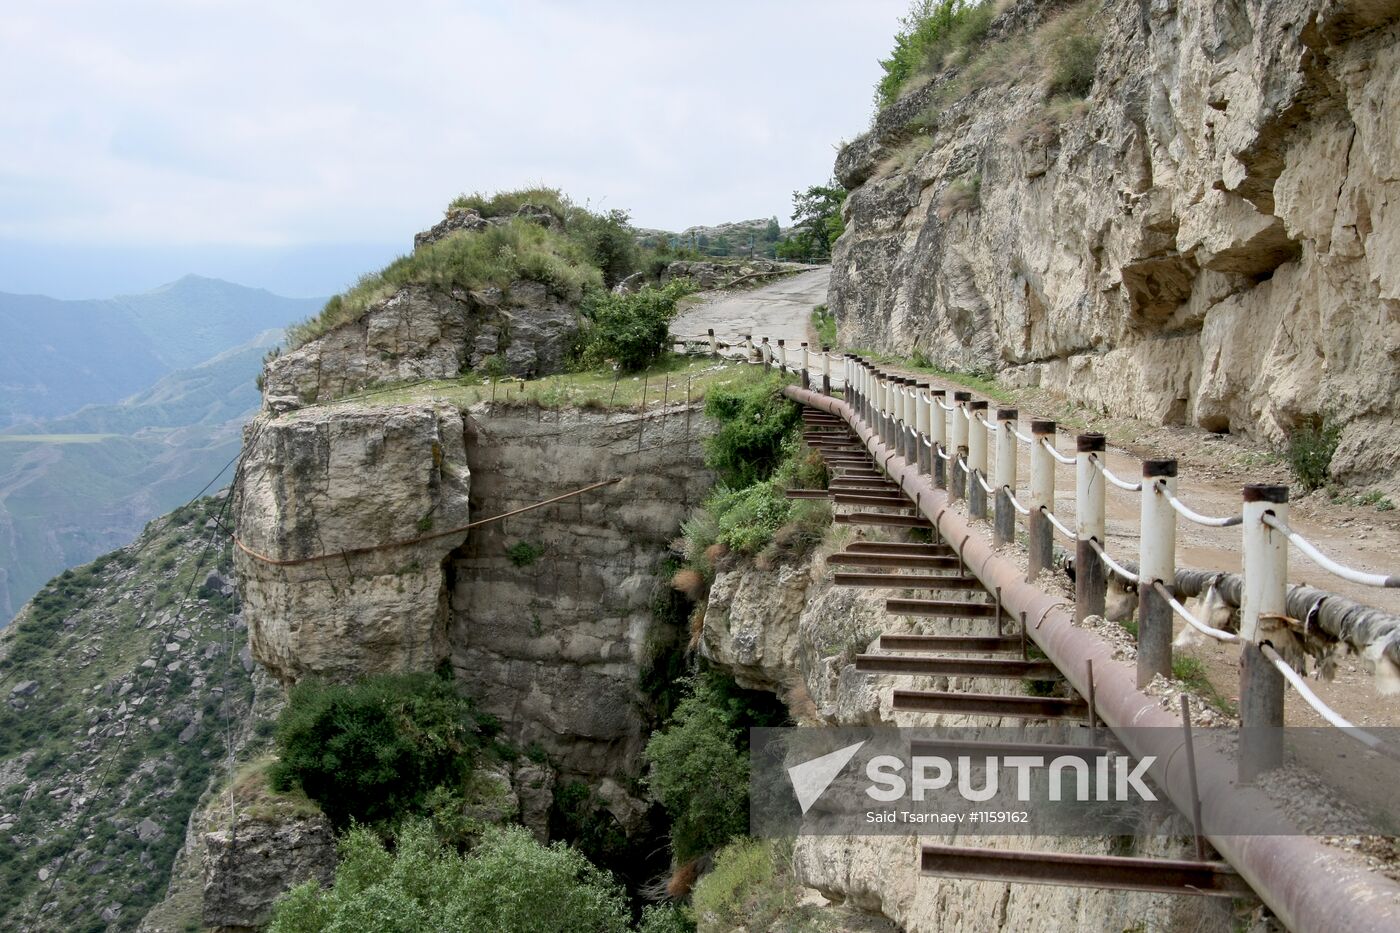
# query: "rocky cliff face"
1212,238
546,616
789,630
326,481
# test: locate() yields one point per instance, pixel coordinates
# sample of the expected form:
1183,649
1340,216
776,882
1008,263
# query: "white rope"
944,405
1055,453
982,421
1313,700
944,455
1330,565
1015,503
983,483
926,442
962,465
966,413
1112,564
1197,517
1108,475
1060,526
1023,438
1191,620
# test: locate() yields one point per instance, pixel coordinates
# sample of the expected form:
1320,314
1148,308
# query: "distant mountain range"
115,411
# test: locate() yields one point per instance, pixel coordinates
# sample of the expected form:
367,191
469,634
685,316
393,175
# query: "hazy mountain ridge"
57,356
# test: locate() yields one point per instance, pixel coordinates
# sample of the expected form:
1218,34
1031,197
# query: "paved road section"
782,310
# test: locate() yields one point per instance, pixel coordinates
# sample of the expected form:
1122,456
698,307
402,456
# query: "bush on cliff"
930,33
508,883
698,765
632,331
374,750
754,421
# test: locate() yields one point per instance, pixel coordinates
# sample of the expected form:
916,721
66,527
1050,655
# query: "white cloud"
291,123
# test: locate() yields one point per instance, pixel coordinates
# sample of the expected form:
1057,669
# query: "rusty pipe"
1308,886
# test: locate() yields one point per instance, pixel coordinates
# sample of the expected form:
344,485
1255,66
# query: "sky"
291,145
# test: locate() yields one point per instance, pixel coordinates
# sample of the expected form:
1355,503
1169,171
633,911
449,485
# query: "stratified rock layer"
324,481
1214,240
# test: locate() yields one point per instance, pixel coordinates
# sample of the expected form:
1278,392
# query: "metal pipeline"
1309,886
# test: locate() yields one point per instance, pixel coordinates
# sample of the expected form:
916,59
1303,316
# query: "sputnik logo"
811,778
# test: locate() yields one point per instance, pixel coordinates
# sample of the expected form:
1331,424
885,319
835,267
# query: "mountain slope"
56,356
77,486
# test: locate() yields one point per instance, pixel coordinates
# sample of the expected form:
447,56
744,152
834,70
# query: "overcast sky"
203,128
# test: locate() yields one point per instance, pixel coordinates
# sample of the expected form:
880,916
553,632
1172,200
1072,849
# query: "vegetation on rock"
931,32
508,883
374,750
633,330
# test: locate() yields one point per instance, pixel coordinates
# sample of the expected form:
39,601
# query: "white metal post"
765,353
714,342
826,370
782,356
1004,531
1090,575
925,429
748,348
1156,564
806,373
938,436
957,444
1262,606
1039,532
977,458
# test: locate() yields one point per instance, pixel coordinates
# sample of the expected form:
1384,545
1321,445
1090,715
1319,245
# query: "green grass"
1192,675
55,438
824,323
672,380
503,203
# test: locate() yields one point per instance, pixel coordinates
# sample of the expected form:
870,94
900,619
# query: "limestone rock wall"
1213,239
425,332
551,610
328,480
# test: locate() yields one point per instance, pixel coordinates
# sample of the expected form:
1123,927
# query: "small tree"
633,330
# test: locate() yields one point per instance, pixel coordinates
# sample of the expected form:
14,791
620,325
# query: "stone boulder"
457,220
249,865
423,332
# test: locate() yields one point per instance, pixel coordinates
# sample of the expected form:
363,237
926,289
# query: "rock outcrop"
248,865
1211,238
424,332
353,482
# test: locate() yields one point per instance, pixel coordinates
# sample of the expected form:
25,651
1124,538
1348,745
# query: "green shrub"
1310,450
633,331
505,203
698,765
721,899
610,241
523,553
373,750
1072,60
929,33
509,884
666,918
754,420
824,323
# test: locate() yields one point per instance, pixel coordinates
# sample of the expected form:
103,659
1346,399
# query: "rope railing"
986,487
1112,564
1189,617
1060,526
943,455
1055,453
1186,512
1388,581
1322,709
1015,503
1109,475
1023,438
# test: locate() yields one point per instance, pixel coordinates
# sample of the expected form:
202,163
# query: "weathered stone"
326,481
422,332
247,867
1213,241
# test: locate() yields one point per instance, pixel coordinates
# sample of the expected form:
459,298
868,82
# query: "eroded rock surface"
1214,240
250,864
323,481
